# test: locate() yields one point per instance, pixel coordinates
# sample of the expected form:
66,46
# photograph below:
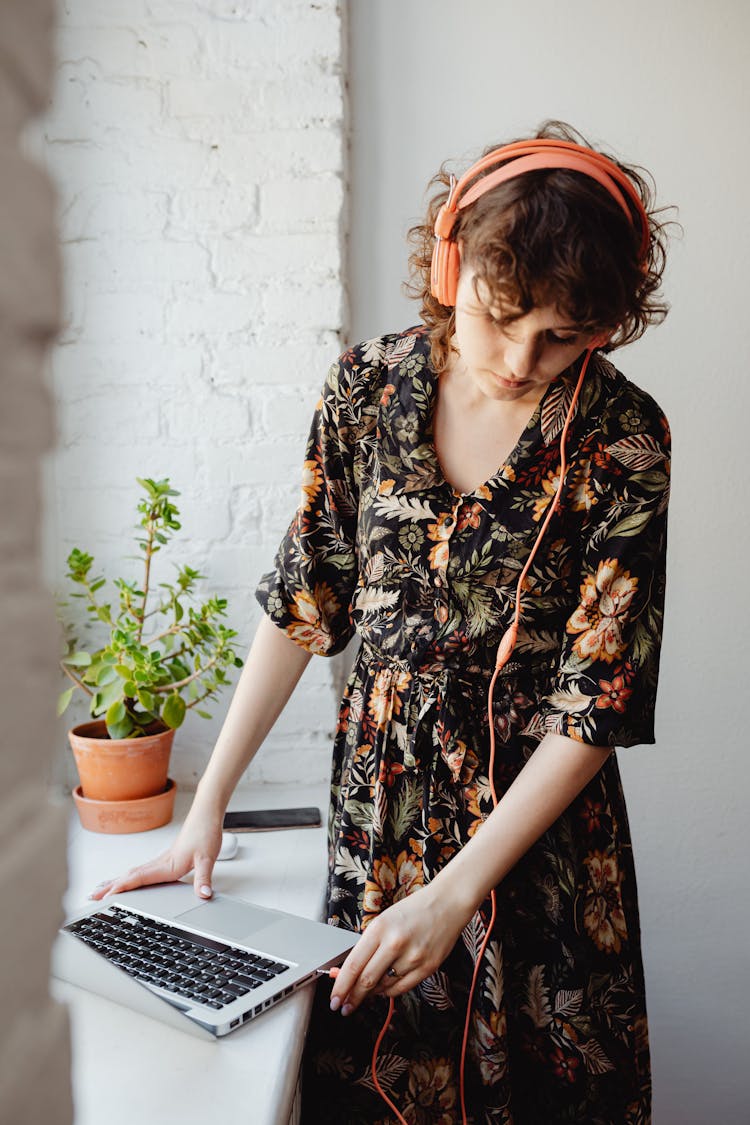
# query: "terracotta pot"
120,769
126,816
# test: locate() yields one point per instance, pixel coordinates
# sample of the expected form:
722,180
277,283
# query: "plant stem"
75,679
149,552
187,680
198,700
172,629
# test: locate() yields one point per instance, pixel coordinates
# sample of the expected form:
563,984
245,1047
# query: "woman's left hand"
413,937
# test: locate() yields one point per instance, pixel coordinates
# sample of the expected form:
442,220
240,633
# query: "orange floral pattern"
605,598
312,478
603,915
383,547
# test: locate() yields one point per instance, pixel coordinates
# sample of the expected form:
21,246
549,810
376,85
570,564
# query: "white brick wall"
198,151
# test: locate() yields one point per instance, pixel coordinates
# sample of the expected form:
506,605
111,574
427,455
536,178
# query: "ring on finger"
392,972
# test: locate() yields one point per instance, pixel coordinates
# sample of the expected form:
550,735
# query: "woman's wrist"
456,893
211,798
545,786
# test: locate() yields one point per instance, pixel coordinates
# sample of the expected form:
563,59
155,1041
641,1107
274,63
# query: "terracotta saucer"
139,815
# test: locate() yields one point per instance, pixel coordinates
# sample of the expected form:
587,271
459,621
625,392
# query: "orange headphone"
514,160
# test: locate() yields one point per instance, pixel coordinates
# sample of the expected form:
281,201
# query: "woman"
433,461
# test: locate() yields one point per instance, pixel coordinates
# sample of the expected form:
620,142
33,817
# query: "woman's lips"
511,384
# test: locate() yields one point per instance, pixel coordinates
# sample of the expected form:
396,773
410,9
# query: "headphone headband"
517,158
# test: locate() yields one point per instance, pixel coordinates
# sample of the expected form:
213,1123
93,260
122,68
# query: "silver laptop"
204,967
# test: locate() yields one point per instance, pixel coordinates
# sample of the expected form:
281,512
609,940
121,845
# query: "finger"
369,978
202,876
397,986
352,967
155,872
101,889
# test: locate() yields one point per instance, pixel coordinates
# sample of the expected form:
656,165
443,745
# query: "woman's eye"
555,339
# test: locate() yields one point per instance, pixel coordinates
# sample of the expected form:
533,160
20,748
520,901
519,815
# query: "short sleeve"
308,592
605,688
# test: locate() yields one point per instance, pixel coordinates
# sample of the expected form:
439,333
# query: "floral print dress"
382,545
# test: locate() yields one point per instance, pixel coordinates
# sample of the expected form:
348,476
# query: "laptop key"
246,983
236,988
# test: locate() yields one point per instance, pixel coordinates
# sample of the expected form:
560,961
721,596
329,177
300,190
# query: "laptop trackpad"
230,919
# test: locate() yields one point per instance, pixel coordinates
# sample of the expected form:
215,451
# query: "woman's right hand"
195,848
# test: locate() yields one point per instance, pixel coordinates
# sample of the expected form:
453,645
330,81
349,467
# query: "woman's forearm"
553,776
417,933
271,672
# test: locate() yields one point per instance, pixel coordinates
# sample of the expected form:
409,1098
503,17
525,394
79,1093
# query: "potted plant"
156,664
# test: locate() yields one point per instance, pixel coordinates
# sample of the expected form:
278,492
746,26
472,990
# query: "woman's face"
512,362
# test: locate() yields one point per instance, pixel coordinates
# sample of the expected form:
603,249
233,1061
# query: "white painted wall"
198,153
664,85
34,1034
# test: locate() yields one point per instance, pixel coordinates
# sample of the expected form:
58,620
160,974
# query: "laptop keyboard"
197,968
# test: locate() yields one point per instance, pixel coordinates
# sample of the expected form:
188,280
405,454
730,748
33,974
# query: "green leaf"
78,660
64,699
115,713
204,714
121,729
107,675
129,688
653,479
110,694
632,524
146,699
173,711
124,671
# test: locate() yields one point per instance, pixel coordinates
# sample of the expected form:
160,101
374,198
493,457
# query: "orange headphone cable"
375,1050
504,650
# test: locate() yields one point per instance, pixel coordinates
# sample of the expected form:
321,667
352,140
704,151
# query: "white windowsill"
128,1067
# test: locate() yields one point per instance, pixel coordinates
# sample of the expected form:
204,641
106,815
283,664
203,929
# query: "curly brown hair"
551,236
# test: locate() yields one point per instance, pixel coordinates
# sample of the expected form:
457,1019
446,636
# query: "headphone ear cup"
445,268
435,286
452,269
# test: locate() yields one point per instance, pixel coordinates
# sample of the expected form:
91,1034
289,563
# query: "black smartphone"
266,820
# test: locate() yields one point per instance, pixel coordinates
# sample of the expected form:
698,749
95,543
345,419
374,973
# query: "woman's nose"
521,357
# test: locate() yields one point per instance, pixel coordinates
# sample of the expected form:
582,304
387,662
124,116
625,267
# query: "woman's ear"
602,338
